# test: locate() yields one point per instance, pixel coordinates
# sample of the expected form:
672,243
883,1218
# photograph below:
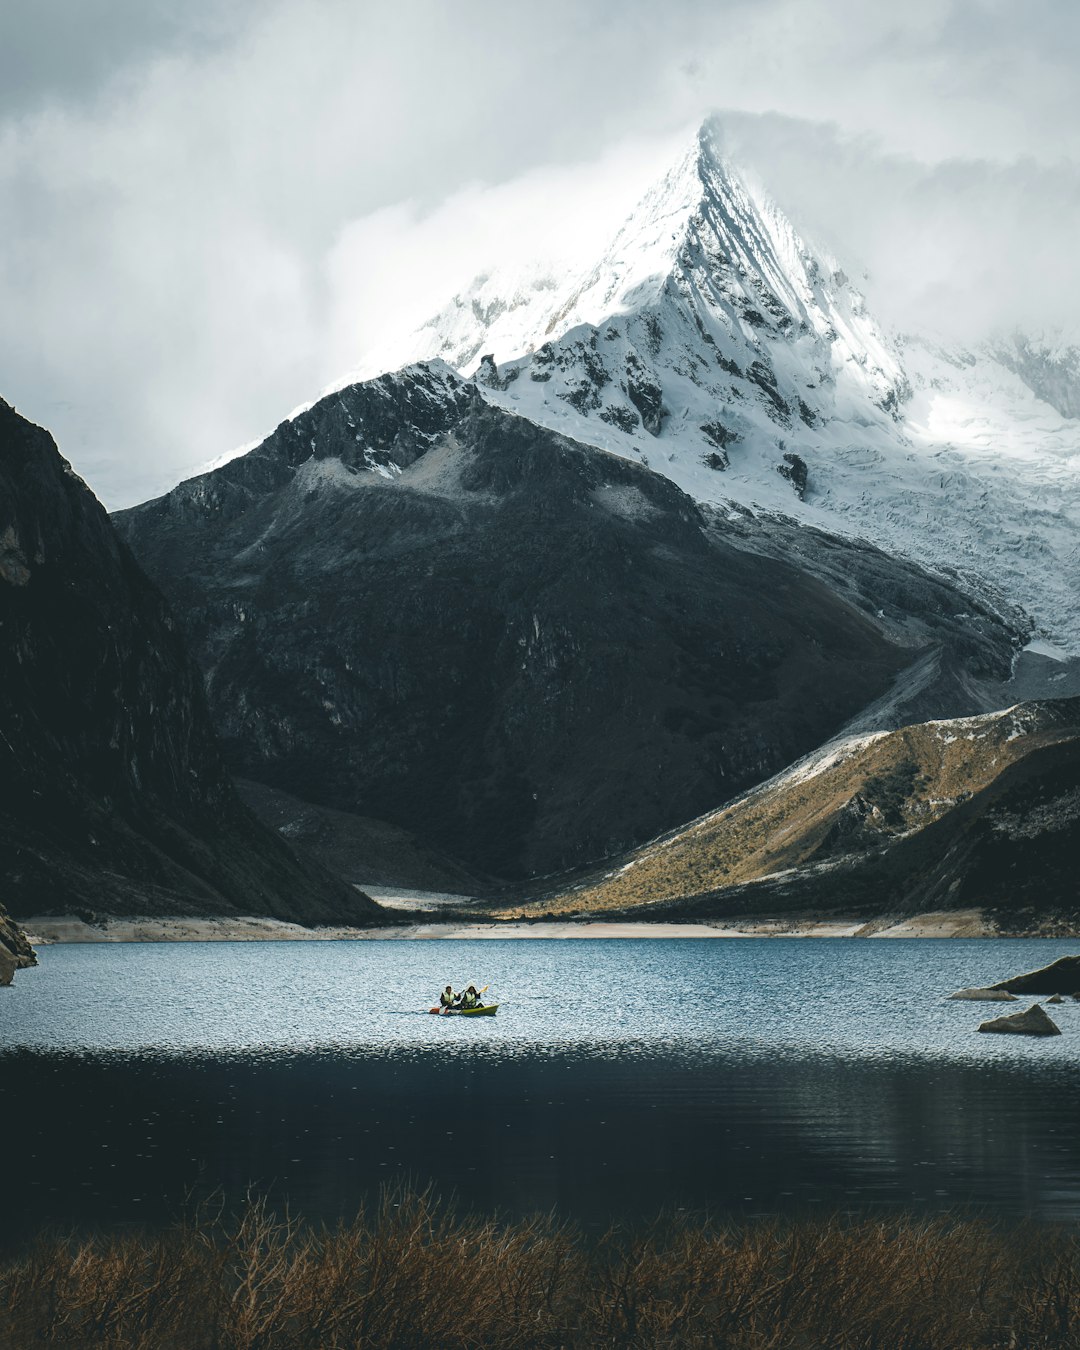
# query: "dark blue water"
618,1078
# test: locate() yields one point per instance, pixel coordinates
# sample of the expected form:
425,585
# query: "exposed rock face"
1050,369
795,471
1059,977
985,995
413,606
1034,1021
113,795
15,950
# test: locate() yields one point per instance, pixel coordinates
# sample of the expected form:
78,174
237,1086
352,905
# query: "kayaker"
470,998
448,999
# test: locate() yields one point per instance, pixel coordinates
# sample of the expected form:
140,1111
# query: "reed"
411,1272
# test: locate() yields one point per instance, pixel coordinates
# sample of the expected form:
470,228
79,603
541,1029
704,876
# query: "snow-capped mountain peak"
714,343
703,230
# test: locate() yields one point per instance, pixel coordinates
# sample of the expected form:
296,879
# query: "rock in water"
1035,1021
1055,998
985,995
1059,977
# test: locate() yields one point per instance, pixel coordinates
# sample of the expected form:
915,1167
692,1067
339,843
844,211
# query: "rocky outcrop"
985,995
15,949
1034,1021
795,471
114,798
1049,369
525,651
1059,977
487,373
645,394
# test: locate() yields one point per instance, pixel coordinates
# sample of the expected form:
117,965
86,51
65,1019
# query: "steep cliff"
113,796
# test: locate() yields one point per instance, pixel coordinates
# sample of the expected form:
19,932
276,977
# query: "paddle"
478,993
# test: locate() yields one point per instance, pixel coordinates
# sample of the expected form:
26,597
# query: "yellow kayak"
488,1011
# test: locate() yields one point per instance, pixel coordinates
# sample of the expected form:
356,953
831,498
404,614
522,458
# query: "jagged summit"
703,238
715,344
708,237
707,313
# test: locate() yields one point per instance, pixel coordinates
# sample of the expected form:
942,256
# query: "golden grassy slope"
884,785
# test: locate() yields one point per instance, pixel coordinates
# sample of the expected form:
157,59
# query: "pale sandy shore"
952,923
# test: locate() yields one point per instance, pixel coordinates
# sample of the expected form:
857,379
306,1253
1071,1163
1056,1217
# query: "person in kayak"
448,999
470,998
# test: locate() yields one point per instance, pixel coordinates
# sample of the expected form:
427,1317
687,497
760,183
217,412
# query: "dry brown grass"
413,1274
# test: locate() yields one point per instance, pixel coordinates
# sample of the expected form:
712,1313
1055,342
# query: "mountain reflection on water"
618,1078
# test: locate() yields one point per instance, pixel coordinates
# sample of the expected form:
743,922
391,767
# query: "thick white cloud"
206,223
963,246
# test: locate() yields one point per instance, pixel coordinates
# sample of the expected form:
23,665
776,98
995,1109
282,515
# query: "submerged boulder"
986,995
1035,1021
1059,977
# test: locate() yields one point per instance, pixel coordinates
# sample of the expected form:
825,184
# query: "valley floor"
68,928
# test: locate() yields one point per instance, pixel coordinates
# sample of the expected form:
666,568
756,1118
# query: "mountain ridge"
501,609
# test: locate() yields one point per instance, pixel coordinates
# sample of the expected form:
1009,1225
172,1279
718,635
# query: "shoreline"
63,929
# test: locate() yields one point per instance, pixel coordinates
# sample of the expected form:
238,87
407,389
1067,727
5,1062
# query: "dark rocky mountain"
980,812
416,607
113,795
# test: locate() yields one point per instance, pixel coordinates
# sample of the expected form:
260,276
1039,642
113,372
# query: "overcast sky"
211,211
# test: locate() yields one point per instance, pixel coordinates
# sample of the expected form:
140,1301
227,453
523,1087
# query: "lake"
618,1078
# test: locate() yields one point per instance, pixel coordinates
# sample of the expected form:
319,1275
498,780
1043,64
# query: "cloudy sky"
211,211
